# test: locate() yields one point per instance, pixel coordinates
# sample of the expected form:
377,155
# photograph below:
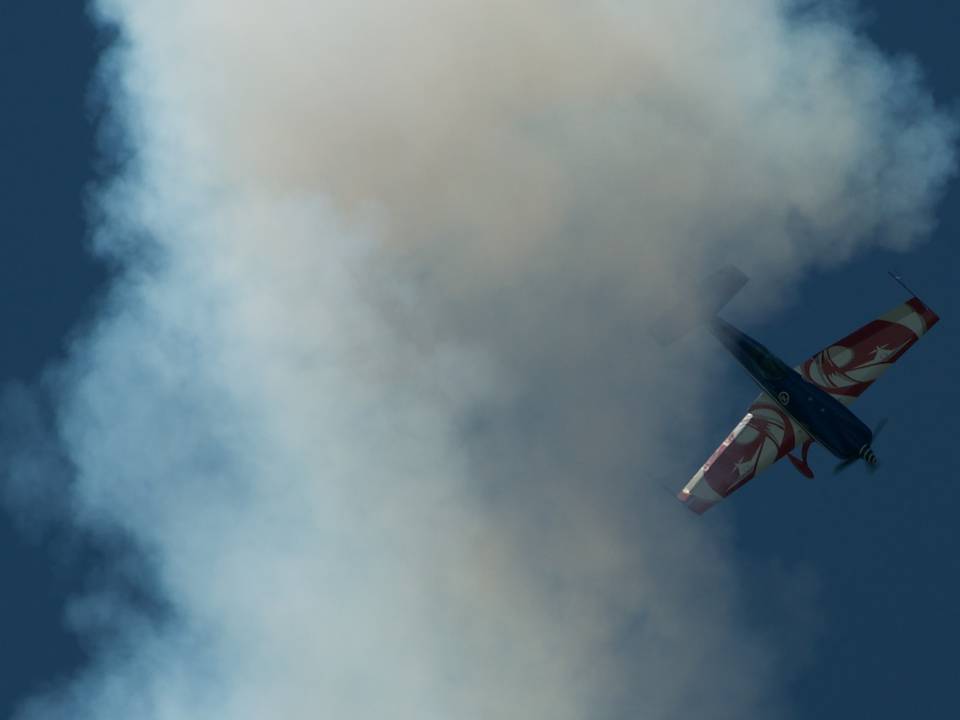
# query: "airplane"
797,406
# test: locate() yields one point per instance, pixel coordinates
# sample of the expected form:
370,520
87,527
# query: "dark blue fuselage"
825,419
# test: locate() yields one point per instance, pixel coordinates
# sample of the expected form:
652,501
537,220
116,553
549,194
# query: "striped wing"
849,366
764,435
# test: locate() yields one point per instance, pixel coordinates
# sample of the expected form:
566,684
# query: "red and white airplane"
801,405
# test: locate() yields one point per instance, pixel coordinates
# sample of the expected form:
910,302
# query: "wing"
849,366
764,435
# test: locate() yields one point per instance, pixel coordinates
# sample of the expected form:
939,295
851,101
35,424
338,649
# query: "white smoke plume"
372,398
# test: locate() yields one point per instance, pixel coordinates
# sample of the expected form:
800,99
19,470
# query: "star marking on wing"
746,465
882,352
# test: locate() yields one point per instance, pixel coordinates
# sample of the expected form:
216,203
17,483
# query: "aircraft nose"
869,456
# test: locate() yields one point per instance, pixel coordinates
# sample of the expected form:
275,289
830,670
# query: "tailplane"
704,301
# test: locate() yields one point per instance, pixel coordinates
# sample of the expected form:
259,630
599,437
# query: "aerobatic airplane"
796,406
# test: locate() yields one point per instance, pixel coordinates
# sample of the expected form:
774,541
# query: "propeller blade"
879,428
844,465
871,466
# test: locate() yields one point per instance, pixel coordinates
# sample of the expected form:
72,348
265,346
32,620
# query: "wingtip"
930,318
694,503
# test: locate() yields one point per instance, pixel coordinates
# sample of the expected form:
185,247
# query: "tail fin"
705,300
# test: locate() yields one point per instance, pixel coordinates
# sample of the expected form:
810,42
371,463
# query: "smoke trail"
371,396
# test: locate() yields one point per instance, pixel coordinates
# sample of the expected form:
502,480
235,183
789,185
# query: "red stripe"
930,318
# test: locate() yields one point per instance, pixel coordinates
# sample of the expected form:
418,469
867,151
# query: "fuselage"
825,419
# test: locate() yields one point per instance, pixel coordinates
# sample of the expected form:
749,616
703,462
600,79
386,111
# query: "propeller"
866,453
879,428
845,464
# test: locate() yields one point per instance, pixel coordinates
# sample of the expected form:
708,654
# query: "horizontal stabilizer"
704,301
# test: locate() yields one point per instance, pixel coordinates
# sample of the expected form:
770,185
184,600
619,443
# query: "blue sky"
49,282
873,559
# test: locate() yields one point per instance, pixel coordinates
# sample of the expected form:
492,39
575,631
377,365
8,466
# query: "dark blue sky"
880,552
48,283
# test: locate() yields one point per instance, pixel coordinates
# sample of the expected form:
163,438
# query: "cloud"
372,396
